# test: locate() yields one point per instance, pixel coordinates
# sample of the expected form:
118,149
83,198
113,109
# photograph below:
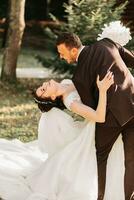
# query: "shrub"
87,17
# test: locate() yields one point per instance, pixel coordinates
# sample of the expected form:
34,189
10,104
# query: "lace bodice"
73,96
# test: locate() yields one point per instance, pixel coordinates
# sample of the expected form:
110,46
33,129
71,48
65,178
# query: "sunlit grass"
19,114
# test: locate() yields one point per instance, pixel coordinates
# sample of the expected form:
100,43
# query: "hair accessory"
44,102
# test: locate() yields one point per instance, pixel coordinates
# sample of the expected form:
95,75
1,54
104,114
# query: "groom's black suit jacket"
97,59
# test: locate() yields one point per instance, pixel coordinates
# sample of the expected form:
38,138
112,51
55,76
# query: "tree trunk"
15,31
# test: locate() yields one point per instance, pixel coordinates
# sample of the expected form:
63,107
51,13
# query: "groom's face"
66,53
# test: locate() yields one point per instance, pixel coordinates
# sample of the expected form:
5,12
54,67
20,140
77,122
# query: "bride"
61,164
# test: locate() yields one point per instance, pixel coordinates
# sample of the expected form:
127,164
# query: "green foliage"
87,17
130,44
57,65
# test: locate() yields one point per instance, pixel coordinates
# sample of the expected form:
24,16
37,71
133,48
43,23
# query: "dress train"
60,165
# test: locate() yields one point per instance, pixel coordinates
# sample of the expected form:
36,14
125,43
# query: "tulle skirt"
60,165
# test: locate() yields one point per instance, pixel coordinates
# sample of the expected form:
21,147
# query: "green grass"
19,114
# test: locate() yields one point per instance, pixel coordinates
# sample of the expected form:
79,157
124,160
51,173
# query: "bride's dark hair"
47,104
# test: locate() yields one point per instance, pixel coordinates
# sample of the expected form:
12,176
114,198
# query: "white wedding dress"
61,164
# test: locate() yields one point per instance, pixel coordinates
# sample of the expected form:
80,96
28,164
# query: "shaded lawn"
27,57
19,114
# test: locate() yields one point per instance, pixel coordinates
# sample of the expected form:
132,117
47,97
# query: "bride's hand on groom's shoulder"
106,82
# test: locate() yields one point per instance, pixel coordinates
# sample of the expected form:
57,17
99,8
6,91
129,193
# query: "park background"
28,31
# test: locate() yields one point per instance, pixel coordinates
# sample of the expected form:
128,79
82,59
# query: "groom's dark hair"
69,39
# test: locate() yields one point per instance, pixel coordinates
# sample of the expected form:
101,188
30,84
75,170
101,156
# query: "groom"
102,56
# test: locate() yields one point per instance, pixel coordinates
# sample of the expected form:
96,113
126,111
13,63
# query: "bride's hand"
106,82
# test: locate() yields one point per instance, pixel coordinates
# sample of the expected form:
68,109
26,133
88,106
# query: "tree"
87,17
16,25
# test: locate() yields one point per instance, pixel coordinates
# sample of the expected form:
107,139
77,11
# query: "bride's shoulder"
72,95
66,81
70,98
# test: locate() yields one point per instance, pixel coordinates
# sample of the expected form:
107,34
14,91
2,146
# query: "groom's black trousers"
106,135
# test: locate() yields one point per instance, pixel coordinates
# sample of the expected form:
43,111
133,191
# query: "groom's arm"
112,61
127,56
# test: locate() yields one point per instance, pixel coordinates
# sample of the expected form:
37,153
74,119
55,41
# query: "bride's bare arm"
87,112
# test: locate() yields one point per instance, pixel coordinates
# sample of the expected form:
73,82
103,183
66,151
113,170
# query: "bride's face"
48,89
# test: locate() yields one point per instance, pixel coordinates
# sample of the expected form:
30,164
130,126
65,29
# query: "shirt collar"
79,51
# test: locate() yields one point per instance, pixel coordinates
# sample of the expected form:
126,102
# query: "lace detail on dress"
73,96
